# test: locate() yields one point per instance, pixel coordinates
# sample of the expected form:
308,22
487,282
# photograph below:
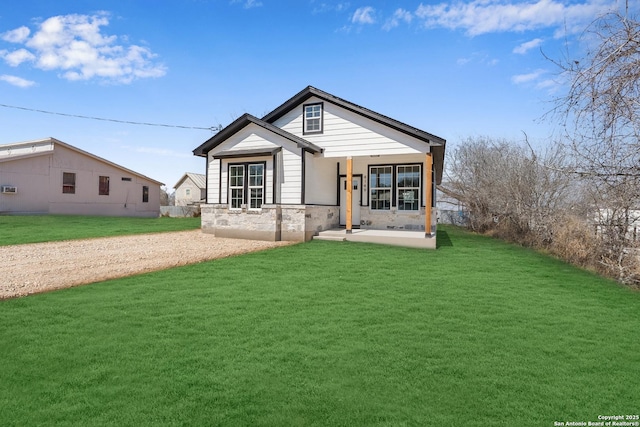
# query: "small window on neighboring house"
124,178
187,192
145,194
103,186
313,118
68,182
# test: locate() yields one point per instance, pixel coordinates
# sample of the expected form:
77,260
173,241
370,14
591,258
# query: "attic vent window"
313,118
126,179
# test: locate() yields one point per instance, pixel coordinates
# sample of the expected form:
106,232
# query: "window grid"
256,185
381,185
313,118
408,185
236,186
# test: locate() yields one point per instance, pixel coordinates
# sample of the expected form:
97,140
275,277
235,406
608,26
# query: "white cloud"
363,15
16,81
17,57
398,16
18,35
490,16
326,7
527,78
76,46
526,46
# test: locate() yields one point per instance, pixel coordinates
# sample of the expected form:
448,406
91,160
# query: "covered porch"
413,239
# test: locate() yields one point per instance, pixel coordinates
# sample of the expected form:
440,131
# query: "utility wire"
212,128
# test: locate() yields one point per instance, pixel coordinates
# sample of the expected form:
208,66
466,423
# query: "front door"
355,199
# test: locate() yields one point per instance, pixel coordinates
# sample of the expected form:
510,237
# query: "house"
284,176
48,176
190,189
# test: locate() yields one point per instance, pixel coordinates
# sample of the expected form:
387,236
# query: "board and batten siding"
349,134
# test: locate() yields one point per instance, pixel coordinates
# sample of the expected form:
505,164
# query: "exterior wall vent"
9,189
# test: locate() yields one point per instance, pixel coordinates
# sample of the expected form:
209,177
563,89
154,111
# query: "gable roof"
245,120
311,91
55,142
198,179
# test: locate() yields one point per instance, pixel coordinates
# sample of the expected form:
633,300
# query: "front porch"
413,239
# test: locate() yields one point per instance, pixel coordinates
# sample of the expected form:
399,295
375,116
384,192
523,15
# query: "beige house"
48,176
190,189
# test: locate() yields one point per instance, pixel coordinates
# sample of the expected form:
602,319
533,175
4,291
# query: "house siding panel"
365,136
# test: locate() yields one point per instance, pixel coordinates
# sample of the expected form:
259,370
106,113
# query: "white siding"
349,134
213,180
320,180
291,187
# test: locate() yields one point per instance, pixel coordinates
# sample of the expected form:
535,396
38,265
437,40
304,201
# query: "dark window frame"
145,194
245,184
67,186
305,126
103,185
394,185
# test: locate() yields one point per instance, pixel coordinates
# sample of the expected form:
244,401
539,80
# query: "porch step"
330,237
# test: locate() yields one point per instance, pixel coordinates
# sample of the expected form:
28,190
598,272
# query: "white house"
48,176
284,176
191,188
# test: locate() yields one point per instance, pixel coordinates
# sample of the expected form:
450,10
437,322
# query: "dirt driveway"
39,267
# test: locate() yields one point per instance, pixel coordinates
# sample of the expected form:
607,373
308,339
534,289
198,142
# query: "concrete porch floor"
413,239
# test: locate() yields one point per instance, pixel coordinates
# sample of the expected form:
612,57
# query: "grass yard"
46,228
477,333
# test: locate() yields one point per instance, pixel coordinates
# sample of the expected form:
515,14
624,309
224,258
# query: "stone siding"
394,219
296,223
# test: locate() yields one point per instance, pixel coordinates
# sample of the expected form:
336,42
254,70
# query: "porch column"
428,166
349,194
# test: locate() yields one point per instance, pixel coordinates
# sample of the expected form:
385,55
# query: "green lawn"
477,333
45,228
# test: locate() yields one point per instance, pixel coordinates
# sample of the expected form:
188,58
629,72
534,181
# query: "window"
187,192
313,118
68,182
246,185
236,185
395,186
124,178
380,183
256,185
145,194
408,187
103,186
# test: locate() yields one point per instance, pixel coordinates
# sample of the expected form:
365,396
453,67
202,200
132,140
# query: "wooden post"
428,166
349,194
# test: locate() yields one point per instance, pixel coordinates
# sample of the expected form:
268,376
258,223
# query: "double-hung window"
397,185
381,186
246,185
313,118
408,187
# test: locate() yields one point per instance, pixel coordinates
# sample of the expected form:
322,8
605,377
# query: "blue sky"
455,69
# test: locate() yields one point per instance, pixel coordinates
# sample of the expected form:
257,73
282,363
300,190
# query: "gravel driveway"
40,267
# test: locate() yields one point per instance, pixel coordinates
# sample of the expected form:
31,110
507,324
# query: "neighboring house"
190,189
283,177
51,177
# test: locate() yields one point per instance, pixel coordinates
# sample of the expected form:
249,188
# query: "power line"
212,128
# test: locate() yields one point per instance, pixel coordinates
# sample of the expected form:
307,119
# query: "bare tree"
600,114
508,188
